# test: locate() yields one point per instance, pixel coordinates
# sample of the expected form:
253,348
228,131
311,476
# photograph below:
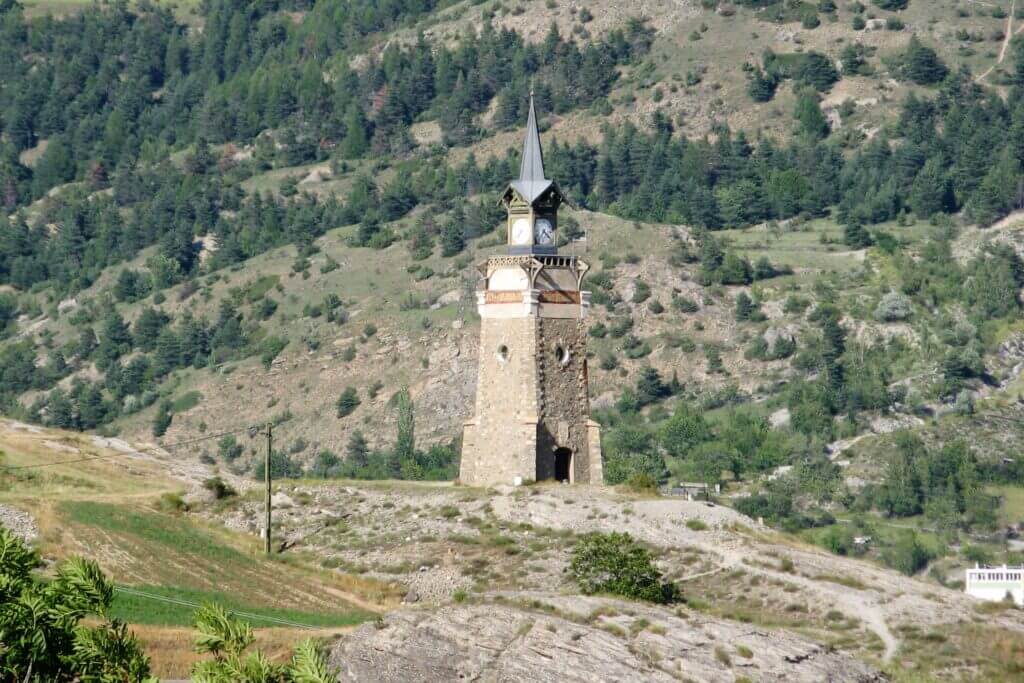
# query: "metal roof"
532,183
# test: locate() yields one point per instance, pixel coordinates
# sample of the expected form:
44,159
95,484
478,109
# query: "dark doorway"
563,464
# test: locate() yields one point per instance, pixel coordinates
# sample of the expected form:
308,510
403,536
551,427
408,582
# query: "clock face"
521,231
545,232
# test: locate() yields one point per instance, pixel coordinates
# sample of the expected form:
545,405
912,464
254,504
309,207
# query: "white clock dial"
521,231
545,231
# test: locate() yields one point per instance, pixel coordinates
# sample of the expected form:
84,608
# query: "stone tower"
532,417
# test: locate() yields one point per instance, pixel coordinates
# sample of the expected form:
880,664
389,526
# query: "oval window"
561,355
503,353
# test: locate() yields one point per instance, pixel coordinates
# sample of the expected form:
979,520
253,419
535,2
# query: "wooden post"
268,505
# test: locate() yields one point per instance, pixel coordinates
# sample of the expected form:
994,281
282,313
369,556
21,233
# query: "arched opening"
563,464
503,353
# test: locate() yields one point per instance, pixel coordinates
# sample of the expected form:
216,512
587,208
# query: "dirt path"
855,602
1006,43
660,522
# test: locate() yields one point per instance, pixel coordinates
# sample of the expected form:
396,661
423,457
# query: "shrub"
642,292
348,402
172,502
685,304
270,348
219,488
628,452
907,554
893,307
615,563
642,482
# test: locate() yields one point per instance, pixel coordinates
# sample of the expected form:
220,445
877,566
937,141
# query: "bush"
219,488
907,554
269,350
348,402
172,502
893,307
615,563
642,482
628,452
685,304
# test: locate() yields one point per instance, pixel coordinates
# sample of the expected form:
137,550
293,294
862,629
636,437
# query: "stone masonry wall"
564,404
502,438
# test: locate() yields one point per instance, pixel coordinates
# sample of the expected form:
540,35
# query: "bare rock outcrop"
563,638
19,523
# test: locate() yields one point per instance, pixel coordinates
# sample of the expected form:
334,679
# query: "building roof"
532,183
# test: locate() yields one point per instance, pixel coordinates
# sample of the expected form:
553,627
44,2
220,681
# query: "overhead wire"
165,447
189,603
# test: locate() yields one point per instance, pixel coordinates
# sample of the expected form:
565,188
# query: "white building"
993,583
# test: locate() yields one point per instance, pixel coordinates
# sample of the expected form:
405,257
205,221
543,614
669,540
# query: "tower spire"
532,167
531,182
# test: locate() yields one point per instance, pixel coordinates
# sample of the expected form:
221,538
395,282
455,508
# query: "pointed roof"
531,183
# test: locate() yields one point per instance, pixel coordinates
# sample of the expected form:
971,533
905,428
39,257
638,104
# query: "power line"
169,446
188,603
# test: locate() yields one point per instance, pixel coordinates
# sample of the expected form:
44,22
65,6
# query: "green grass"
183,9
1012,510
183,558
259,287
136,609
162,530
186,401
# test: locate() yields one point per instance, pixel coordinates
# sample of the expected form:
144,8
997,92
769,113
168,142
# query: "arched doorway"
563,464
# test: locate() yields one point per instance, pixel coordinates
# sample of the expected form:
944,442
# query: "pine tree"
761,86
855,235
59,410
744,306
930,192
921,64
162,419
453,238
168,352
811,122
347,402
405,445
147,327
357,451
649,386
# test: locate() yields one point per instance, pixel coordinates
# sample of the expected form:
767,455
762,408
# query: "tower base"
528,452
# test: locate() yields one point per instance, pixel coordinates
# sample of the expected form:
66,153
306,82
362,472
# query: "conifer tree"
162,419
855,235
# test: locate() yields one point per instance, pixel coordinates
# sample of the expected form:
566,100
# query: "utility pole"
268,504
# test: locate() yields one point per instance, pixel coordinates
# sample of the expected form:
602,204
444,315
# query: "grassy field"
121,511
175,606
186,11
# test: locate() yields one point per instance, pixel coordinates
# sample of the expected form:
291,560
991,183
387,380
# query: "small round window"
503,353
561,355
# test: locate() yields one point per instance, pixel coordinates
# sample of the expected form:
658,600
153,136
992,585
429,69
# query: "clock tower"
532,200
532,418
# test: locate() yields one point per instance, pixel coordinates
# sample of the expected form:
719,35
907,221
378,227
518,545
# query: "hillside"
804,226
71,494
481,577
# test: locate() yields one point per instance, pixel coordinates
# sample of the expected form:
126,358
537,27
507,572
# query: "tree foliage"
41,622
616,563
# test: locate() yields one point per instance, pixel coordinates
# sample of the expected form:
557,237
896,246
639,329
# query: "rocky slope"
581,639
